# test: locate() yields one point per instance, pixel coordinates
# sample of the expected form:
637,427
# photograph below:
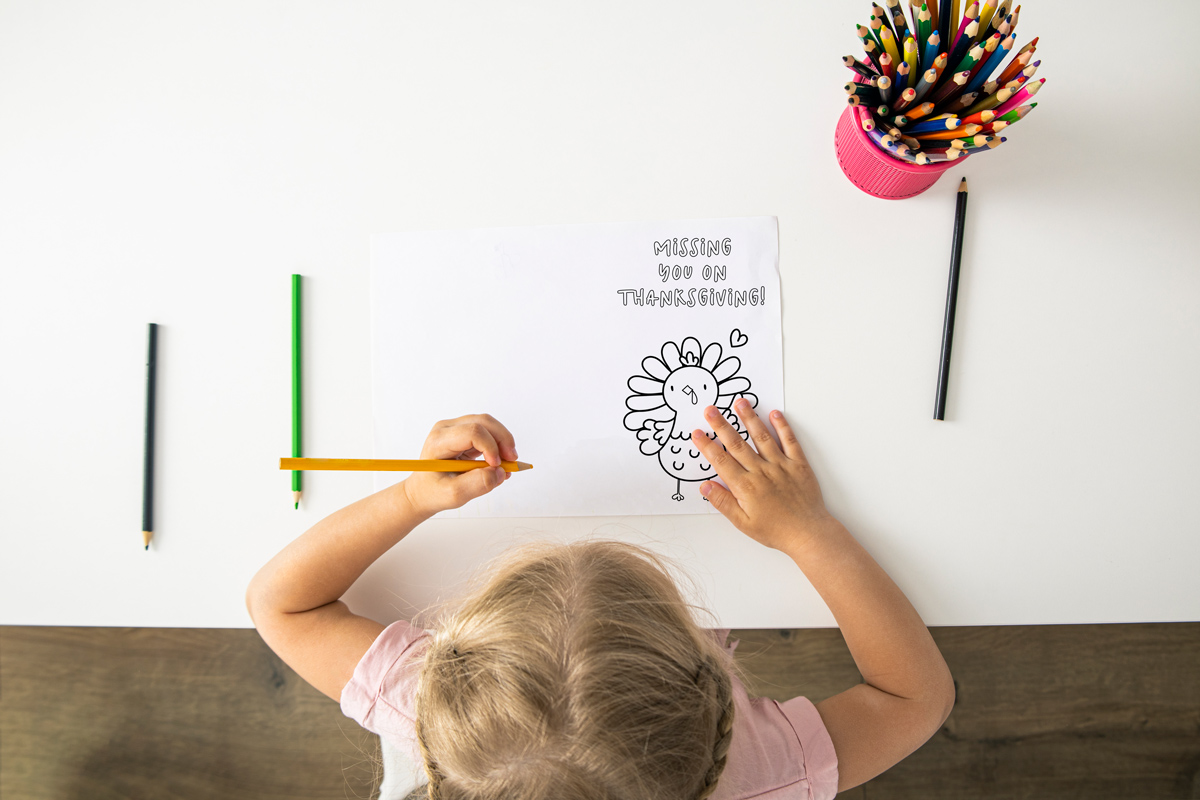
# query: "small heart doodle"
737,338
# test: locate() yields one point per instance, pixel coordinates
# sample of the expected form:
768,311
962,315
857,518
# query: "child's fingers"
723,500
729,437
469,485
459,438
787,437
506,445
764,442
725,465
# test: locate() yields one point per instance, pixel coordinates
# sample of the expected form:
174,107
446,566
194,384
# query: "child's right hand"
461,438
773,496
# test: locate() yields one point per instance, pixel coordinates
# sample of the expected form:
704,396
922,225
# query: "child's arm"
773,497
293,600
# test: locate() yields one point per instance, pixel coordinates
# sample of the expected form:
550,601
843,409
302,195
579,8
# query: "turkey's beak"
692,393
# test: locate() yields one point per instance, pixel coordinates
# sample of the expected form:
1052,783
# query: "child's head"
576,671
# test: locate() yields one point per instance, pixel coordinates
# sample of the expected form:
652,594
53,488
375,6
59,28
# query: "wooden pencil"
889,45
960,218
873,53
864,118
971,59
1006,27
1016,114
985,16
945,20
946,155
880,13
876,25
924,23
925,84
887,70
148,454
395,465
934,126
964,44
296,393
899,23
988,103
932,47
962,101
862,69
911,59
991,144
982,118
885,140
991,62
949,88
947,135
885,88
968,142
1020,97
997,19
971,14
1029,48
939,64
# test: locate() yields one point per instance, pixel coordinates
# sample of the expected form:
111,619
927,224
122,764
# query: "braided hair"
722,688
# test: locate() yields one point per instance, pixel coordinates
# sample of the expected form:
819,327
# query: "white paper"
561,333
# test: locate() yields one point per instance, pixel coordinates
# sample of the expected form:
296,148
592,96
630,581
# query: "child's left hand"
465,438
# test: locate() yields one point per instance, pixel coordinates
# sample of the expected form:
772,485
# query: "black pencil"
148,465
960,218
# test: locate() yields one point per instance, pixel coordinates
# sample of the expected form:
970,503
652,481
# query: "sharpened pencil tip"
147,547
297,506
962,186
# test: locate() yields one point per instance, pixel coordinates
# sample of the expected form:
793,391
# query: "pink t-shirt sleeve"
381,695
779,751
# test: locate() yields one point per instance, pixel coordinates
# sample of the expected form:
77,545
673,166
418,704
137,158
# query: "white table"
176,162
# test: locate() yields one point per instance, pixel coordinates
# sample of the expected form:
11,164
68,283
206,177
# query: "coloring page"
597,346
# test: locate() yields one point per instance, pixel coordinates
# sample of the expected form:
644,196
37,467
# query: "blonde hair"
576,671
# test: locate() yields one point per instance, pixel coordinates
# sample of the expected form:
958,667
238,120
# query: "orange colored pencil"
917,112
981,118
1014,67
396,465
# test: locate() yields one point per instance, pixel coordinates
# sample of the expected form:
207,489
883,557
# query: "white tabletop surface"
176,162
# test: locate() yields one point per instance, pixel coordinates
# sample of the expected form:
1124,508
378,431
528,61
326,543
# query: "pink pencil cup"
874,171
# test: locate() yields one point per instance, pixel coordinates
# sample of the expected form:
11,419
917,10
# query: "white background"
175,162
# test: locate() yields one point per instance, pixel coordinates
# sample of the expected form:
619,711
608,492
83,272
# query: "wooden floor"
1092,711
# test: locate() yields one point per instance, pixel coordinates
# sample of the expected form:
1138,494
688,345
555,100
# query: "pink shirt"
779,750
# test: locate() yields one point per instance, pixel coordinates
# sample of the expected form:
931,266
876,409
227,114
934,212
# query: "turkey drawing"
669,399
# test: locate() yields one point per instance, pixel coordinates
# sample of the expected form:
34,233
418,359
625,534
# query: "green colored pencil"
296,386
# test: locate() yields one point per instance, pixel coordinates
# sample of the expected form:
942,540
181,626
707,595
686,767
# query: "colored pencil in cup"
960,218
148,461
296,386
396,465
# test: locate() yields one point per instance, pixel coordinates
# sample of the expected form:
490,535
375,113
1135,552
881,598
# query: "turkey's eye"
672,388
706,386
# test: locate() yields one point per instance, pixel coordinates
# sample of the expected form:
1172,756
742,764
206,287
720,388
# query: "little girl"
578,672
